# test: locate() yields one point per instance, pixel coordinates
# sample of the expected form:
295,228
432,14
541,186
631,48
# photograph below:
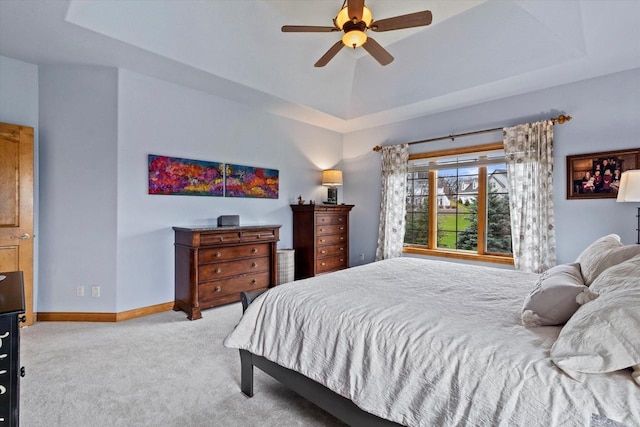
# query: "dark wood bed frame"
335,404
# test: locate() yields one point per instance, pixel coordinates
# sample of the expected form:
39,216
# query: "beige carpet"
159,370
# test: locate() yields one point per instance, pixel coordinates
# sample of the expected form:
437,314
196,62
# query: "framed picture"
597,175
173,175
249,181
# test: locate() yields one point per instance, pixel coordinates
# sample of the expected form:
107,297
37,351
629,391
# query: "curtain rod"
560,120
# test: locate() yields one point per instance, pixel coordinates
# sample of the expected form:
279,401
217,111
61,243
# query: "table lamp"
630,191
332,178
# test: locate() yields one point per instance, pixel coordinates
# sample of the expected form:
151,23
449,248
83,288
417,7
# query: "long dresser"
11,315
214,264
320,238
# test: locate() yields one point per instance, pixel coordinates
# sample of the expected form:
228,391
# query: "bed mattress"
426,343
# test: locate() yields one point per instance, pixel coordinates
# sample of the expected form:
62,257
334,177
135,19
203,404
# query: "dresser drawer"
257,235
219,238
323,230
325,265
331,219
333,239
211,292
219,270
233,252
325,251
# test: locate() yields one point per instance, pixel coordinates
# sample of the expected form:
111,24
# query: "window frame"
431,249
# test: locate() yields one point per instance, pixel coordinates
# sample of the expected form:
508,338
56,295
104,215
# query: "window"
458,204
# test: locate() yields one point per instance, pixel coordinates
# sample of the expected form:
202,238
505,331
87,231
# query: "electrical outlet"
95,291
361,257
80,291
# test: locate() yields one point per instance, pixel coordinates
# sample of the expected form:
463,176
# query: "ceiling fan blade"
329,55
417,19
378,52
307,29
355,9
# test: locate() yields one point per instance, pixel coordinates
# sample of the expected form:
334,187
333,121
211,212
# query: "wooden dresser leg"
246,373
195,313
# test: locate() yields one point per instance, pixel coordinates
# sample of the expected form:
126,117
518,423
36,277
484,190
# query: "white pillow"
602,254
604,334
553,299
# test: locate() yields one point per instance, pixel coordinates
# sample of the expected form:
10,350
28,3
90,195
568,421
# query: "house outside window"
458,204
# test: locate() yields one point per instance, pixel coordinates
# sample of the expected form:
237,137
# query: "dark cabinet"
11,314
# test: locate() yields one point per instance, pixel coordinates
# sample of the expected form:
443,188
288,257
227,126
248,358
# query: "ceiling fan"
354,19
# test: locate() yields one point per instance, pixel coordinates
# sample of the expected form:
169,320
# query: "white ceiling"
474,51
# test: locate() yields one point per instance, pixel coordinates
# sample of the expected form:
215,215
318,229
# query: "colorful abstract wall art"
247,181
172,175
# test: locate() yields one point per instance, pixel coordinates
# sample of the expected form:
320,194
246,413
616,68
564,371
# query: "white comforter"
429,343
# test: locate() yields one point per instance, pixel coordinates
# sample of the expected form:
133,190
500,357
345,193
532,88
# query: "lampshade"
332,177
354,38
343,17
629,186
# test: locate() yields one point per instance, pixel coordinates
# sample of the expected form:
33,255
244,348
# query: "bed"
422,343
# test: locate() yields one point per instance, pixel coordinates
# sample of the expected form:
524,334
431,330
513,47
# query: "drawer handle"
323,252
22,372
218,270
321,240
254,265
322,229
2,372
218,288
3,390
341,237
341,228
322,263
218,254
339,219
342,249
254,250
254,282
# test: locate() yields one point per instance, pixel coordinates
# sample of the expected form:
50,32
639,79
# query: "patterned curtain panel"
529,152
395,161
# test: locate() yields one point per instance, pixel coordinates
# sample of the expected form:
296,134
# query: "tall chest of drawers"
11,314
320,238
214,264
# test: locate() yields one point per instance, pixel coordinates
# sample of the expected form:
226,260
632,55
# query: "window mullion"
433,209
482,210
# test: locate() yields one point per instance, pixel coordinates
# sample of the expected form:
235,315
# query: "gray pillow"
605,252
553,299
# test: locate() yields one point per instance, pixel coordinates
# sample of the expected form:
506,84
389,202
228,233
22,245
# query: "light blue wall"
156,117
78,147
19,90
606,116
97,125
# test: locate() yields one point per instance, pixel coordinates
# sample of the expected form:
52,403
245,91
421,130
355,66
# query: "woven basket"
286,262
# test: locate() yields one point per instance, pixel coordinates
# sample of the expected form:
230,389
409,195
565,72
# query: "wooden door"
16,206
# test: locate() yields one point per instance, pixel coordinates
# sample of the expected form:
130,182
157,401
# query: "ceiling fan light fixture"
343,17
354,38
